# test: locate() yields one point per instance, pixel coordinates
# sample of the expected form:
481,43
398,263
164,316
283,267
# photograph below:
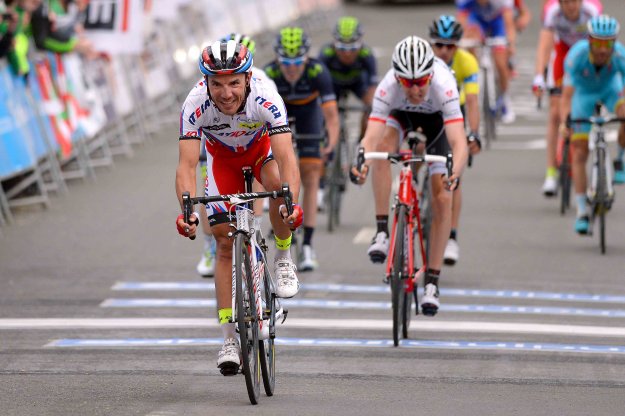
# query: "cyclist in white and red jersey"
245,124
206,265
419,92
564,24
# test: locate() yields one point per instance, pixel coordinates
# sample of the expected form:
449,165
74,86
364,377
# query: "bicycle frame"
407,195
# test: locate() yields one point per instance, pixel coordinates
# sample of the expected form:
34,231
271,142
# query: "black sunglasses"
444,45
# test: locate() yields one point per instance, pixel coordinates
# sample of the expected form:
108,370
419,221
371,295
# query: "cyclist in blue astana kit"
206,265
495,19
351,64
593,71
418,92
306,87
244,123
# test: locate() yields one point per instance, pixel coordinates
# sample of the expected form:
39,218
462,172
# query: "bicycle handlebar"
188,202
598,120
404,157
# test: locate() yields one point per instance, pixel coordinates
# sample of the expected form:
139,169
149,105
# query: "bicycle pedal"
377,257
429,310
285,312
229,369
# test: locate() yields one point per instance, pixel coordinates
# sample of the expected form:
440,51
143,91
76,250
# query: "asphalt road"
102,313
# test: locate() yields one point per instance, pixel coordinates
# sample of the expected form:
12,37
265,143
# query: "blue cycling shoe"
619,172
582,224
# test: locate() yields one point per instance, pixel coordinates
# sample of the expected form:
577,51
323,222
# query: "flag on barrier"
53,107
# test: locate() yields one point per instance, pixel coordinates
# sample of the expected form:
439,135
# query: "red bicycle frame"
408,196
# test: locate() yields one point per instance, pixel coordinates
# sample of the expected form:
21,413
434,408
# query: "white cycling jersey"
262,76
565,30
264,113
442,96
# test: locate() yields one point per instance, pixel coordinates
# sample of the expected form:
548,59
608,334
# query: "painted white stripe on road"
340,342
373,305
323,324
384,289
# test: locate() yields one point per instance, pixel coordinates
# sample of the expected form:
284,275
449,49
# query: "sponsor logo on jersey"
217,127
198,112
250,124
269,106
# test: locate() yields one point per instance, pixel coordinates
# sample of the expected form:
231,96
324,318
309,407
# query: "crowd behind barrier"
74,112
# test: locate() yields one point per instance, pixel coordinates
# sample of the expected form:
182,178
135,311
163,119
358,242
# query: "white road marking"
324,324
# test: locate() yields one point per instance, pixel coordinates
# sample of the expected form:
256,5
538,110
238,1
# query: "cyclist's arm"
473,112
282,149
524,16
457,139
545,45
331,117
188,158
373,134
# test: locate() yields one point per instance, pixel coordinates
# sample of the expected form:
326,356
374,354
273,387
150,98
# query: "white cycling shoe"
550,186
309,262
452,252
229,357
429,300
378,249
287,284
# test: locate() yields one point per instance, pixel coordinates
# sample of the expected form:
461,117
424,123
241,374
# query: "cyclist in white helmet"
244,123
419,92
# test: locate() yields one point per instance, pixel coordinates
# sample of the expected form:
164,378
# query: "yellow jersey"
466,70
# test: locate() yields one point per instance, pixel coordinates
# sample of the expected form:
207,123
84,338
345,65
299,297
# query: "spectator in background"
17,52
57,27
8,26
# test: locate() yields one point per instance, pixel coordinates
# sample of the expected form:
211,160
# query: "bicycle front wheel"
247,319
602,196
267,346
397,284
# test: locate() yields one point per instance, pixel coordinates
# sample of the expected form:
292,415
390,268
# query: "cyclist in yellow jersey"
445,33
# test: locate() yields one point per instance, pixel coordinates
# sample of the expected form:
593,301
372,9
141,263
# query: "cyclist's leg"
497,30
582,106
381,182
206,265
474,31
311,168
554,85
287,284
619,166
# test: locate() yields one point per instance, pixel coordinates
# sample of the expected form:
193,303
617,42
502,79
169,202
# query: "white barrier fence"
73,115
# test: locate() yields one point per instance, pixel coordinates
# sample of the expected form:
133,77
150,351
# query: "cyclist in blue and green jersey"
306,88
351,64
593,71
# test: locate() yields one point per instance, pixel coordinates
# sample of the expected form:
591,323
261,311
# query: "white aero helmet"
413,58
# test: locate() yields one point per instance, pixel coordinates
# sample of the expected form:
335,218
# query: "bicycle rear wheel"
397,284
334,192
267,347
247,319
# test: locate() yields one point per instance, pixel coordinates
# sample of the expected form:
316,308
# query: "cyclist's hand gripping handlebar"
452,182
356,173
291,208
187,211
